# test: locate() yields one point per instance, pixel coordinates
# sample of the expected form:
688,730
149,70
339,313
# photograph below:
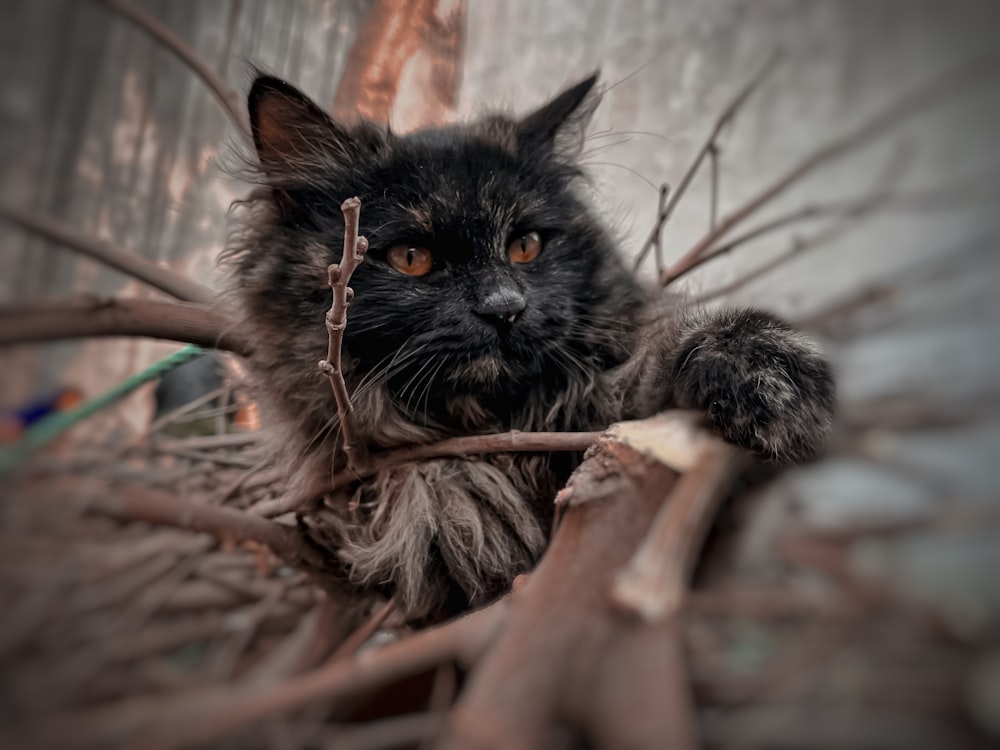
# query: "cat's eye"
413,261
525,249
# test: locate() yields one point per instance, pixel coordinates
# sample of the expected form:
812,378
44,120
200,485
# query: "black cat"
491,299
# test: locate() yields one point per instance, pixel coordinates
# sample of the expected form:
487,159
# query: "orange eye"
526,248
413,261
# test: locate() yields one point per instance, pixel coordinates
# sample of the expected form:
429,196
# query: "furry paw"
762,384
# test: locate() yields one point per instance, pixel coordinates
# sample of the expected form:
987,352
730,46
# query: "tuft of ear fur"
290,131
560,124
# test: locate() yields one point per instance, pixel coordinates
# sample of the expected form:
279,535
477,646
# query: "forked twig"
952,83
846,214
339,275
710,145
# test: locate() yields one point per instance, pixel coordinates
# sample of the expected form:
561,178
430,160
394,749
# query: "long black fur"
589,347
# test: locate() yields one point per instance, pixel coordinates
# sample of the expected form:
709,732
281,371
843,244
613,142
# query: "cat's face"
486,273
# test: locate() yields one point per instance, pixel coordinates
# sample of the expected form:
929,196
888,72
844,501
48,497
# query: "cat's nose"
501,307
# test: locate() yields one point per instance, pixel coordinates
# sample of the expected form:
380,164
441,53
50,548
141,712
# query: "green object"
45,430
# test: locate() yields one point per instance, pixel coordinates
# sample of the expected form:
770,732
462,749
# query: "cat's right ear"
559,125
289,130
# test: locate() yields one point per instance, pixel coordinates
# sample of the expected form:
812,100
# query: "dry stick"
658,242
713,202
208,718
366,630
90,317
152,26
654,584
564,632
514,441
133,265
155,506
846,211
953,83
725,117
339,275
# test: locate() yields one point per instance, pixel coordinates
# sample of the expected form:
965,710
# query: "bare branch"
133,265
655,582
658,242
953,83
155,28
725,117
201,716
157,506
564,630
514,441
713,200
173,321
339,275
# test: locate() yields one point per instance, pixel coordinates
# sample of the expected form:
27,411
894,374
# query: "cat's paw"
762,384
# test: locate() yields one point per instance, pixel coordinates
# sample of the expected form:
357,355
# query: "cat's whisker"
621,166
609,133
427,390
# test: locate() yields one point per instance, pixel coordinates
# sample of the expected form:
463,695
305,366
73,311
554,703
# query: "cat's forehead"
444,176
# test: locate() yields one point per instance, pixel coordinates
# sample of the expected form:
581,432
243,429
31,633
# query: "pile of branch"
224,630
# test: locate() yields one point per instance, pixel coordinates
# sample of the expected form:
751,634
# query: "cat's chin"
484,370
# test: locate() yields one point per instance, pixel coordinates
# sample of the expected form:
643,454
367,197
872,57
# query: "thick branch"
339,275
133,265
570,659
708,148
655,582
955,82
174,321
152,26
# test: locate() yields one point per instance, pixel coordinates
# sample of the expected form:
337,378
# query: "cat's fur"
435,356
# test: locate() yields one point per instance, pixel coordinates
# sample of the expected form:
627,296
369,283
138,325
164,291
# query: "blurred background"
103,128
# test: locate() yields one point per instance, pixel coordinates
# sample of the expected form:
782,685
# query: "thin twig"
953,83
220,712
725,117
514,441
68,319
155,506
131,264
848,213
713,200
658,242
155,28
339,275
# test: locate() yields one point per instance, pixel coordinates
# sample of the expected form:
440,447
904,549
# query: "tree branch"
710,145
514,441
152,26
565,631
655,582
953,83
130,264
202,716
157,506
173,321
339,275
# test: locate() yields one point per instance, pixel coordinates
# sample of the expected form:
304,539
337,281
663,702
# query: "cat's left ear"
560,124
289,130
